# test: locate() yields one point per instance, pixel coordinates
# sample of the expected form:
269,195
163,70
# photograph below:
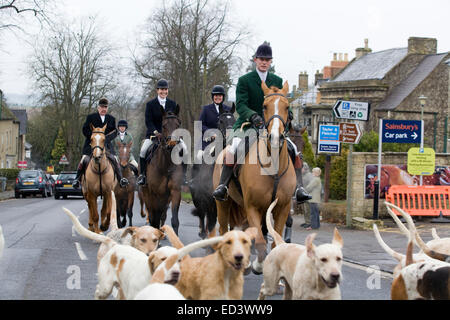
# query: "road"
45,259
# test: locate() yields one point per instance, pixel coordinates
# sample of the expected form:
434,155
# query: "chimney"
359,52
340,56
303,81
345,56
422,45
334,56
318,76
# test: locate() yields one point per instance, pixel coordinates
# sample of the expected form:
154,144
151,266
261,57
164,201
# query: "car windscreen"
66,176
28,174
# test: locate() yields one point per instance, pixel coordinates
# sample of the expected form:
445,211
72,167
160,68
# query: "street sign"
22,164
421,163
355,110
63,160
349,132
401,131
328,139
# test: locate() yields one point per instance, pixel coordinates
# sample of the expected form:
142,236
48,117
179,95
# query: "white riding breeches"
148,142
236,140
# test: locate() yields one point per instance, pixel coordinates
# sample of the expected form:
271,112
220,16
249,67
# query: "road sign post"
355,110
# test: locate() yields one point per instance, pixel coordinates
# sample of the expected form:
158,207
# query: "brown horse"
125,196
144,211
272,176
164,178
99,180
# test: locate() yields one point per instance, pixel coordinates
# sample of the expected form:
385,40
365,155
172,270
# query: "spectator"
307,177
314,187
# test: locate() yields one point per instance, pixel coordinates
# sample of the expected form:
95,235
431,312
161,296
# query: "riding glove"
257,121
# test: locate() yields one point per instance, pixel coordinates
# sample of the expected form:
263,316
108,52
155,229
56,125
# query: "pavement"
360,246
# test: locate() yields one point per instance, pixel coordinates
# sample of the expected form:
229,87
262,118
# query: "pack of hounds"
131,260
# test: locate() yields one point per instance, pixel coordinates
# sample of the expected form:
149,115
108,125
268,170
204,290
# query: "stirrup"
123,182
141,180
76,184
219,195
301,195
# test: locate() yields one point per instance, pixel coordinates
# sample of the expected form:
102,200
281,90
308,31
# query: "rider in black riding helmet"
98,120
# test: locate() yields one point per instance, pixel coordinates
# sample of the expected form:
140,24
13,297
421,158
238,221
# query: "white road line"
80,251
81,212
73,231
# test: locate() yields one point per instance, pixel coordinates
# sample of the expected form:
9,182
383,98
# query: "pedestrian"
249,106
314,187
98,120
307,177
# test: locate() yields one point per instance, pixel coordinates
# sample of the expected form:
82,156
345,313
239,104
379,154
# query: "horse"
99,180
143,211
125,196
201,185
164,178
260,185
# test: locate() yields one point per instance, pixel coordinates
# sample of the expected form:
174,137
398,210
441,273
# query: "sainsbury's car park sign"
401,131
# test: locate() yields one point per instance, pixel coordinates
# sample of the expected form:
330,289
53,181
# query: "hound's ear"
104,127
264,88
129,230
310,248
161,235
285,89
92,126
252,232
233,108
337,239
177,109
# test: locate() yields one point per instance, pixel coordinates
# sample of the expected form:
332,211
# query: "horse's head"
226,119
124,153
296,135
170,122
98,139
275,108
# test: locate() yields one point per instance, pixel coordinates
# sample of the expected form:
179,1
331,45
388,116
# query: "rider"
124,138
98,120
153,121
249,102
210,116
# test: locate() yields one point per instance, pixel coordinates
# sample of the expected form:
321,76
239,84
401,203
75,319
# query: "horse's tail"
85,232
113,218
276,237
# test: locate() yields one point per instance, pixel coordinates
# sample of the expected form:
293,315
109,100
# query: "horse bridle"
165,139
101,148
276,116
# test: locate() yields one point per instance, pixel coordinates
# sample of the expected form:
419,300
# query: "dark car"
63,185
32,182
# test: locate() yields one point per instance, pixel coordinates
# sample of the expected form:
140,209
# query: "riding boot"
184,166
80,171
287,234
123,182
142,179
221,191
301,195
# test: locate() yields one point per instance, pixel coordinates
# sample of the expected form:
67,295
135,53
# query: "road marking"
73,231
80,251
81,212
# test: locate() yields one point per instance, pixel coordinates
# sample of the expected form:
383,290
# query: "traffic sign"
328,139
355,110
349,132
63,160
401,131
22,164
421,163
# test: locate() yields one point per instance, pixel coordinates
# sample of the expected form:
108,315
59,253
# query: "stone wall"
364,207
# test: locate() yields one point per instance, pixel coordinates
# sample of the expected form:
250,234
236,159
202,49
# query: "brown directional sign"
349,133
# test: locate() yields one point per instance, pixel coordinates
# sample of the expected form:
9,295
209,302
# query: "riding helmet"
122,123
218,89
162,84
103,102
264,51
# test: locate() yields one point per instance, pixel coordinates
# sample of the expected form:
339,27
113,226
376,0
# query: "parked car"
63,186
32,182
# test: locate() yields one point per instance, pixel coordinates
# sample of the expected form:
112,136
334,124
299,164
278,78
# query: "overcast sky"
303,34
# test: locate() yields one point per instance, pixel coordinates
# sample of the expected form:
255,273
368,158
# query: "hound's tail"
198,244
83,231
172,236
391,252
276,237
113,218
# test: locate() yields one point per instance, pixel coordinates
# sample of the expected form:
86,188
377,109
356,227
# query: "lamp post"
422,102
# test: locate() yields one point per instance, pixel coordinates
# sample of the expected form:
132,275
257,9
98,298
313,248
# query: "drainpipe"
1,103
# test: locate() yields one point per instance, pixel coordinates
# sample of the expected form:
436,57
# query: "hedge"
10,174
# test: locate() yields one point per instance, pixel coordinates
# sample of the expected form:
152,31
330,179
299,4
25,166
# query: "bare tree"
192,43
73,67
14,13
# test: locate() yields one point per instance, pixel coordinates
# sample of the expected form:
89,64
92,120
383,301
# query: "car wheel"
64,197
56,196
16,195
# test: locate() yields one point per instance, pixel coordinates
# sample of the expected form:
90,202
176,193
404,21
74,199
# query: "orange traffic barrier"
420,200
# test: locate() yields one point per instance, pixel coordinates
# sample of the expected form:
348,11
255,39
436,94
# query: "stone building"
9,139
392,80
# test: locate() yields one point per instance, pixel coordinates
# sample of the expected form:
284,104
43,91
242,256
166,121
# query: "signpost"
401,131
328,139
421,163
63,160
354,110
349,133
22,164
